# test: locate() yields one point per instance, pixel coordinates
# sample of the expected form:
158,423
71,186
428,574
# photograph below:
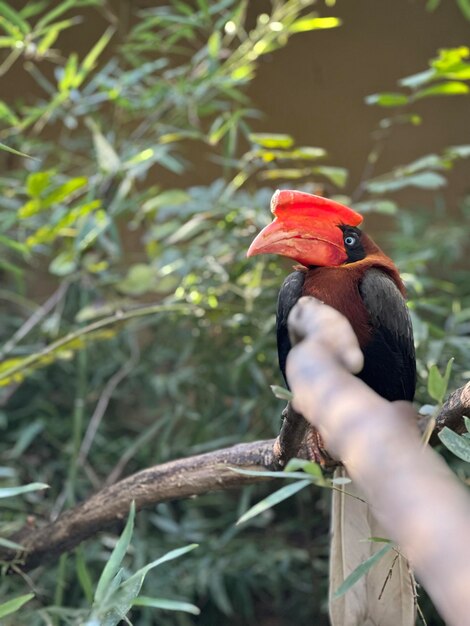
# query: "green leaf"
337,175
10,545
386,207
64,263
113,565
288,173
282,393
120,601
171,197
11,606
26,437
422,180
89,61
467,423
139,576
437,384
460,152
387,99
13,245
309,467
10,492
458,445
83,575
14,18
7,114
167,605
309,22
271,140
361,570
58,195
451,88
107,157
140,279
432,5
213,45
54,13
270,474
416,80
92,226
13,151
274,498
464,6
38,182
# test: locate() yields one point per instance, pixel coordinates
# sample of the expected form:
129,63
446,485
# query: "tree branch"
291,436
183,478
454,409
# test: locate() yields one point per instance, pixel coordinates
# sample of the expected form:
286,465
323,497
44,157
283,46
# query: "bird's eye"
350,240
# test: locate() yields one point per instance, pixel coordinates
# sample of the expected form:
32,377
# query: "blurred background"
140,145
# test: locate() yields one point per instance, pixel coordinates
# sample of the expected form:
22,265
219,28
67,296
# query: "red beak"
306,228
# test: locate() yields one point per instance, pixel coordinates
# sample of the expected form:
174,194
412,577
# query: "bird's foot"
316,451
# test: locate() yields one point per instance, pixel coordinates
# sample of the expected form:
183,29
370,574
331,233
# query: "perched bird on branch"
341,266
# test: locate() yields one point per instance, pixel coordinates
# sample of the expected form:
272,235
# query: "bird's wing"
390,366
290,292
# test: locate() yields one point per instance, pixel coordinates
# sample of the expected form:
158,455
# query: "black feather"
290,292
389,358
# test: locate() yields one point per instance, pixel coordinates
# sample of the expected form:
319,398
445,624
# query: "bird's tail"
385,595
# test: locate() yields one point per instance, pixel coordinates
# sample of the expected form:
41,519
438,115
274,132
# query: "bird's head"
312,230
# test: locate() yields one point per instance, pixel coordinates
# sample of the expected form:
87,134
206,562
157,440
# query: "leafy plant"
144,183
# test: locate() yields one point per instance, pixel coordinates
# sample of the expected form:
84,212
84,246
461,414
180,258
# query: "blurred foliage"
157,337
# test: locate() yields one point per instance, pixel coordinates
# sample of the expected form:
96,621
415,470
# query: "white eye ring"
350,240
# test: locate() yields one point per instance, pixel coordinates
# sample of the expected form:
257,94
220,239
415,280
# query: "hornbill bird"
341,266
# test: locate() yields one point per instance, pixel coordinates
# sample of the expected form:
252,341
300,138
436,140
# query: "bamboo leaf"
271,140
274,498
282,393
10,492
310,22
167,605
13,151
91,58
309,467
451,88
387,99
11,606
438,383
360,571
13,17
113,565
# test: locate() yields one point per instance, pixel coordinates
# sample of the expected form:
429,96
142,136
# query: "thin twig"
117,318
39,314
102,405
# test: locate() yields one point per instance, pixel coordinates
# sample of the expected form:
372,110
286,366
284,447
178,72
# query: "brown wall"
315,88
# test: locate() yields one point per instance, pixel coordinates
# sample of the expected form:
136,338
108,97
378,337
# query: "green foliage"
156,339
446,76
115,594
438,383
15,604
457,444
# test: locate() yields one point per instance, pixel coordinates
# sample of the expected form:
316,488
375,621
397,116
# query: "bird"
340,265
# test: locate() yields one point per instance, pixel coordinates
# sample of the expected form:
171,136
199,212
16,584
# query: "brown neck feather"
339,287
